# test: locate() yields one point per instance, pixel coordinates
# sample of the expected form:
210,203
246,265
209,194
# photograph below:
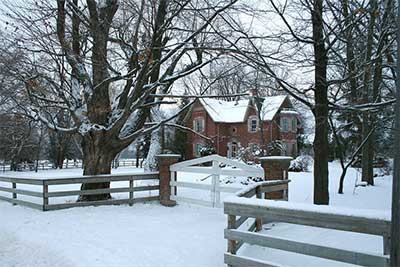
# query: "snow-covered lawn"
152,235
142,235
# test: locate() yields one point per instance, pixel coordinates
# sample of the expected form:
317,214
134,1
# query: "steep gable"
222,111
271,106
226,111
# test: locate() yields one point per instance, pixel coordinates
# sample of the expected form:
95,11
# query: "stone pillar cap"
168,156
275,158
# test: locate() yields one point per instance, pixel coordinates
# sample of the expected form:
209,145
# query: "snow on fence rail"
310,215
43,194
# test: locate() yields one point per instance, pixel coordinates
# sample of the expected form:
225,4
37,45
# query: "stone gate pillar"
276,168
164,162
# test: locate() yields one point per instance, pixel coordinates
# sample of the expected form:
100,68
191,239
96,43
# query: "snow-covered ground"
152,235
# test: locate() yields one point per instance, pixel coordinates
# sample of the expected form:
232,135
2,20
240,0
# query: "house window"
284,148
294,152
198,125
294,124
253,124
284,124
197,150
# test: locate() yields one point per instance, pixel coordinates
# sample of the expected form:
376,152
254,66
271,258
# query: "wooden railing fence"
240,209
41,189
67,164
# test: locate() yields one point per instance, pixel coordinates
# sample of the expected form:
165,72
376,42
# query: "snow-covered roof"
270,107
235,111
226,111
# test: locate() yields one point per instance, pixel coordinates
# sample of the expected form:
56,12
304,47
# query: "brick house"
235,124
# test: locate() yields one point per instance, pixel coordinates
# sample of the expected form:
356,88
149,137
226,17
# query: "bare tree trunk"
60,157
98,157
367,152
395,226
137,154
320,111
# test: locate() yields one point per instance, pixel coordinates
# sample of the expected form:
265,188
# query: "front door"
233,148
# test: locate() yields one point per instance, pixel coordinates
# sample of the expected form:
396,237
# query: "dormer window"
198,124
252,124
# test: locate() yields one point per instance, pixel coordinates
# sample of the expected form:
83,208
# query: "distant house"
235,124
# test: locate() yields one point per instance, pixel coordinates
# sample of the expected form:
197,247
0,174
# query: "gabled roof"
270,106
235,111
226,111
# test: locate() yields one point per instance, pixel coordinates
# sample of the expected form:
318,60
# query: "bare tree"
18,140
254,55
315,40
106,60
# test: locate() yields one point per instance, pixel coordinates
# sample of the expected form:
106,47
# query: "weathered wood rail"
257,190
41,190
310,215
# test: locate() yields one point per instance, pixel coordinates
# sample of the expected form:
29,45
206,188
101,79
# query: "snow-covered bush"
249,154
207,150
300,164
241,180
385,167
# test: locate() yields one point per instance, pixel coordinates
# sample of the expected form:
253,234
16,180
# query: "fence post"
164,162
215,193
174,190
386,245
131,192
14,195
45,195
231,225
258,220
276,168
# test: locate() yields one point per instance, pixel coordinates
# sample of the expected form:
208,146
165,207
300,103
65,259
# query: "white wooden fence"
215,171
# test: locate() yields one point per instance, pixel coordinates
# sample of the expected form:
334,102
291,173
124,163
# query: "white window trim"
249,123
203,126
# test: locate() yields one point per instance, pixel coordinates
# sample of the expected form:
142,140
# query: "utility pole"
395,228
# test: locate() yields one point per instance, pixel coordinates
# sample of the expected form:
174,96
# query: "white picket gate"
191,166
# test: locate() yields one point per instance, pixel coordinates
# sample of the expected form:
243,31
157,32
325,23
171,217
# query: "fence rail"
43,194
324,217
67,164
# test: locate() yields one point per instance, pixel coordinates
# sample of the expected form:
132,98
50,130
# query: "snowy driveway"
141,236
149,235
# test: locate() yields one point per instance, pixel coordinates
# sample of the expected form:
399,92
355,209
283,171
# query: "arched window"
252,124
285,124
198,124
233,148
